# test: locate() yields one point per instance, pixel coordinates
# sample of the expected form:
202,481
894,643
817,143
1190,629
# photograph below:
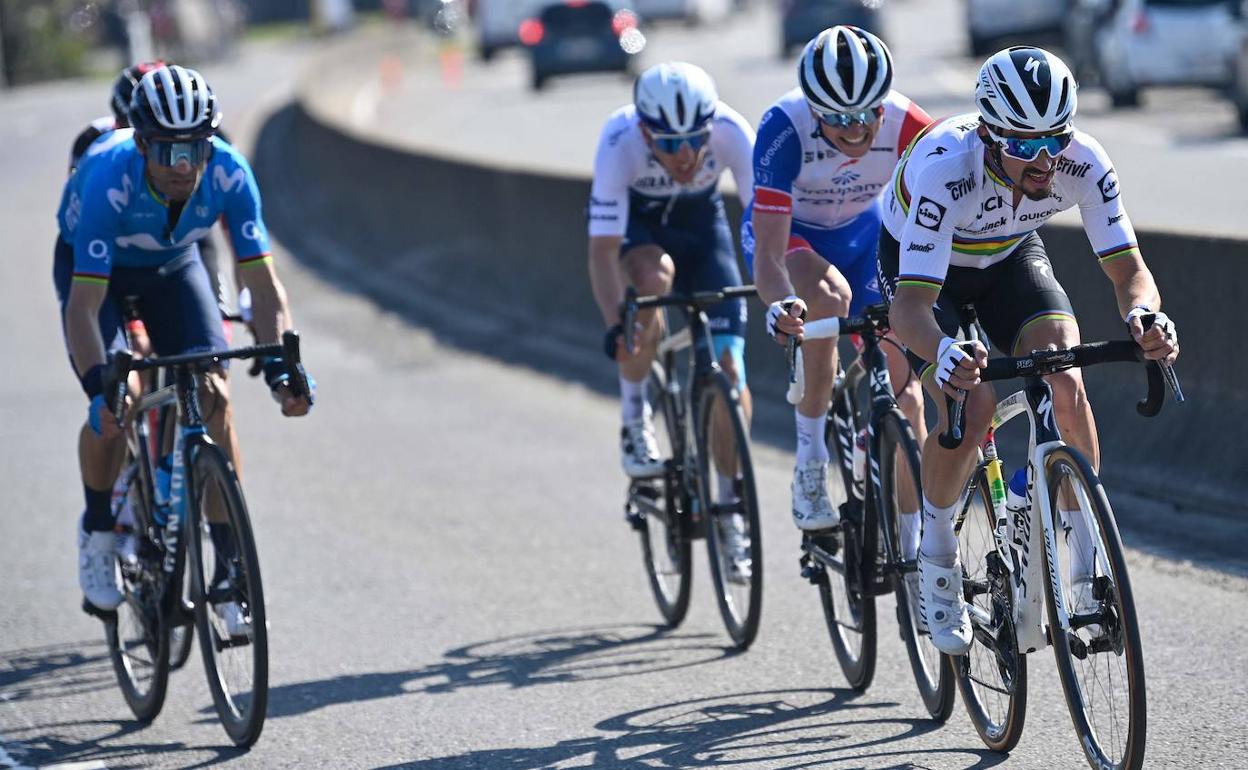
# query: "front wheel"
229,597
899,492
846,588
1096,638
729,502
992,675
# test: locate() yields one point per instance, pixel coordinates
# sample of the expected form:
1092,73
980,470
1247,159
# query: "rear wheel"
729,504
226,573
138,644
665,545
1098,653
846,589
899,489
992,675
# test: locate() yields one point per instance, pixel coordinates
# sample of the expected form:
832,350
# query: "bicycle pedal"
635,519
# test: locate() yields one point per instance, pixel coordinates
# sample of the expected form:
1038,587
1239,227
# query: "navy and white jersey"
799,172
624,165
113,217
946,206
82,143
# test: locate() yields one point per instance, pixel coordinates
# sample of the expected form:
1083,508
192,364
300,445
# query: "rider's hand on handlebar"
784,319
958,365
1161,341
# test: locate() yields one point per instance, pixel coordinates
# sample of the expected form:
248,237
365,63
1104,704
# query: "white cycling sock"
1082,544
726,490
939,542
633,403
810,444
908,523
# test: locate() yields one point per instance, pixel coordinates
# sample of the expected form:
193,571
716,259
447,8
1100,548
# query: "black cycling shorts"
1008,297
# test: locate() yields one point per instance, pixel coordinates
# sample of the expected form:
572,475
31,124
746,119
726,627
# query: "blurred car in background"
1166,42
692,12
989,22
498,23
801,20
582,36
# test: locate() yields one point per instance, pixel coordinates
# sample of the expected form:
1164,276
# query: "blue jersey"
113,217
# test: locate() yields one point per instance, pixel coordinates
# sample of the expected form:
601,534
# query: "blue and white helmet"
174,102
845,69
675,98
1026,89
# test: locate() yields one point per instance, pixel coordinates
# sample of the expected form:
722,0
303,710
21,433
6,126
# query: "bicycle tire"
242,717
933,673
1122,633
979,567
665,545
741,623
145,603
857,535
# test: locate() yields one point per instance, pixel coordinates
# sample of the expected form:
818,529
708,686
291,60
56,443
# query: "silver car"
1166,42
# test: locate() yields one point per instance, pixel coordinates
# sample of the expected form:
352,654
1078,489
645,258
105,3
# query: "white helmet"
675,98
1026,89
845,69
173,103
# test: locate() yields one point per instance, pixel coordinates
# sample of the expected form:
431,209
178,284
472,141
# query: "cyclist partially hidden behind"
656,221
961,217
825,152
129,219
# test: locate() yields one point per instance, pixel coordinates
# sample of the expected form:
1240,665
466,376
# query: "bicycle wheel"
900,480
182,628
138,643
1099,659
729,503
665,545
846,593
226,571
992,676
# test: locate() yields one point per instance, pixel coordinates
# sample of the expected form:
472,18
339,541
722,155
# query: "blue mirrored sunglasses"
847,119
171,153
671,143
1028,150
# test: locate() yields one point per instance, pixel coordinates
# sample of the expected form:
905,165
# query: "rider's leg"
648,269
909,393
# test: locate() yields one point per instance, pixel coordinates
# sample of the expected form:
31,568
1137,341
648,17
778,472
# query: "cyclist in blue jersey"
129,219
824,154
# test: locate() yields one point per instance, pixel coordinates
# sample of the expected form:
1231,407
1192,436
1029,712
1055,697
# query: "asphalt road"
1179,156
449,580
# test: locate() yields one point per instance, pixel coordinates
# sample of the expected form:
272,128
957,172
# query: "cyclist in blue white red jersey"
960,228
656,221
824,153
129,219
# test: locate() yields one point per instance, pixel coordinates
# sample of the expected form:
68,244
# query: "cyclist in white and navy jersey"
961,218
129,219
825,152
657,222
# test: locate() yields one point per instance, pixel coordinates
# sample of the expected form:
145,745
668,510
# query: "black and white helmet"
675,98
845,69
1026,89
174,102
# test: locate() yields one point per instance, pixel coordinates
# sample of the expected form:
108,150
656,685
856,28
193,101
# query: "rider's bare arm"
82,328
269,309
604,276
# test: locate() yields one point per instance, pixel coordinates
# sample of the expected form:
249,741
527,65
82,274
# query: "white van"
498,22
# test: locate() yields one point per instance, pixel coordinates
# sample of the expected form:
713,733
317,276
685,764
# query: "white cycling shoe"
812,509
97,569
639,451
237,624
912,599
942,608
736,542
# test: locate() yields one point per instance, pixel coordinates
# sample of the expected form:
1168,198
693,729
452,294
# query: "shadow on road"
515,662
55,671
785,728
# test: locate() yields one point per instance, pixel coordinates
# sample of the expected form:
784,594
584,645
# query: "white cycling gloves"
948,356
1160,320
775,310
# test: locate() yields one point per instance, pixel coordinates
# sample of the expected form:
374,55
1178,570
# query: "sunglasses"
171,153
670,144
1028,150
847,119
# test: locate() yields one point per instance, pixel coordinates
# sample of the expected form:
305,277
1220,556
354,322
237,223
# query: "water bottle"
1016,509
860,458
